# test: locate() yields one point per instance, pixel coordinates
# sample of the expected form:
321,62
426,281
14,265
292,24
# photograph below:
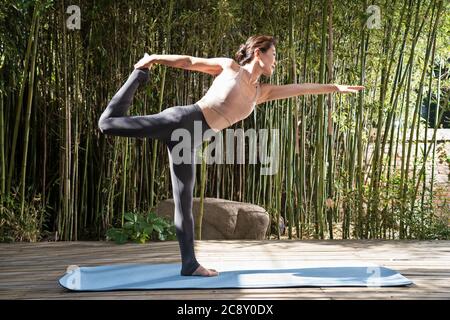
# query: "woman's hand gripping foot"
145,62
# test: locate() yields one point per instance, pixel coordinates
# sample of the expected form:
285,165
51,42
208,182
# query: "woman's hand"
348,89
145,62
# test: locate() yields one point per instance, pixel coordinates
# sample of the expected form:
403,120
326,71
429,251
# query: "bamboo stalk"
436,125
290,169
20,99
358,139
330,140
319,157
2,139
28,111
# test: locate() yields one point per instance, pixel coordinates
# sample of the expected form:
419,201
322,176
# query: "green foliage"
14,227
103,169
423,224
141,228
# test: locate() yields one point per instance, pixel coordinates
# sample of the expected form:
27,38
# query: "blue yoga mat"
167,276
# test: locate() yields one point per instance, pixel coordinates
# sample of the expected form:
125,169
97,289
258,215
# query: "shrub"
140,228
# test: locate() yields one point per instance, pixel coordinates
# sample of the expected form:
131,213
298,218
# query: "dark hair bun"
246,51
241,53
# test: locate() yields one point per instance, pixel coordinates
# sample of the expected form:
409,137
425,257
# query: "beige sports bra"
225,102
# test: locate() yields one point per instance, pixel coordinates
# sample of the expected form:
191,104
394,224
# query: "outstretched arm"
274,92
171,60
212,66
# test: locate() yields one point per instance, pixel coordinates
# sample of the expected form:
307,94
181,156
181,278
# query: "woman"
231,98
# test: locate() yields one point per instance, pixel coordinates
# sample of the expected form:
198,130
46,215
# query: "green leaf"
130,216
113,233
148,229
121,238
158,228
140,219
128,225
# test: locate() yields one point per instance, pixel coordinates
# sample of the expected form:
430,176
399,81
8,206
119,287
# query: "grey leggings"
160,126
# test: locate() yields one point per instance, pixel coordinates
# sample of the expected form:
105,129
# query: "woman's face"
267,61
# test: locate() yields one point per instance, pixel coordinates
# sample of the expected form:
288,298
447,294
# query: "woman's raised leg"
114,120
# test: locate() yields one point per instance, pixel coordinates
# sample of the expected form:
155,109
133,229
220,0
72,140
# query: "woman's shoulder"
231,67
229,62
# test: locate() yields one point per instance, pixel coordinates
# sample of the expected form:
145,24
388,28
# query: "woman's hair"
246,51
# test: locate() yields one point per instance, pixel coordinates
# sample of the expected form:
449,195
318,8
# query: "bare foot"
202,271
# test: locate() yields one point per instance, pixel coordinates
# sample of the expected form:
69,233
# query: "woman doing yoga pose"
232,97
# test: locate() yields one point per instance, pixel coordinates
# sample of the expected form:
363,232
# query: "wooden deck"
32,270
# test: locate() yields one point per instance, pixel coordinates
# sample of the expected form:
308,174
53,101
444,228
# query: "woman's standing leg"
183,179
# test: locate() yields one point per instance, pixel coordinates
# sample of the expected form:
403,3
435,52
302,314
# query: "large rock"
224,219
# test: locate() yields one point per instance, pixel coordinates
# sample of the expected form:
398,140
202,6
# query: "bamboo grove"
60,174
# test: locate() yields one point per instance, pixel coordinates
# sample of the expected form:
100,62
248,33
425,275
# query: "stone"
224,219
